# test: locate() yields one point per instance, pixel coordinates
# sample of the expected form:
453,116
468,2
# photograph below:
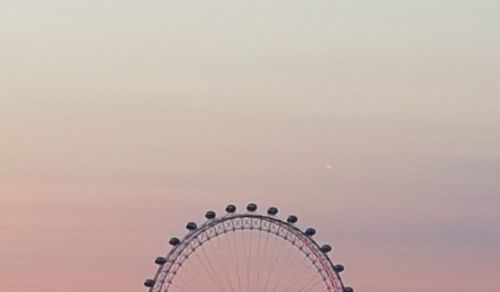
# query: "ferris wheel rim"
166,267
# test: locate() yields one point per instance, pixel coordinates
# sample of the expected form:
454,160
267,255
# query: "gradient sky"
378,122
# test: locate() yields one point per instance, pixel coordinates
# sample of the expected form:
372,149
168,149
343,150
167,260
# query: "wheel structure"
247,252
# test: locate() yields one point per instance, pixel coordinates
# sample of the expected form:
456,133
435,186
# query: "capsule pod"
310,231
348,289
326,248
231,208
272,211
191,226
339,268
149,283
210,215
174,241
292,219
160,261
252,207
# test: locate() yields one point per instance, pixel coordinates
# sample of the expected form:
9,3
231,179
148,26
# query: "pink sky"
376,122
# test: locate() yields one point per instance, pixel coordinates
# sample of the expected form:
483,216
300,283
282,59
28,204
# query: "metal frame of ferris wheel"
214,226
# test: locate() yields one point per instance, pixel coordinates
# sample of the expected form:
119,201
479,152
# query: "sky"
377,122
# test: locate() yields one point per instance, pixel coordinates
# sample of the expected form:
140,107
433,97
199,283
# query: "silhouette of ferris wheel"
247,252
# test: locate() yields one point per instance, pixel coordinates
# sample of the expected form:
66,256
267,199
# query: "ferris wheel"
247,252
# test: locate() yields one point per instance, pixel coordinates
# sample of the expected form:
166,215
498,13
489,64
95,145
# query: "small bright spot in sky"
329,166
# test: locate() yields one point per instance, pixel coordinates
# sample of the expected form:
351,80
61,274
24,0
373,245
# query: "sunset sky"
377,122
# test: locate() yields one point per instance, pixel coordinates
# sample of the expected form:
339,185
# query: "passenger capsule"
191,226
348,289
174,241
160,261
149,283
326,248
210,215
252,207
339,268
310,231
272,211
292,219
231,208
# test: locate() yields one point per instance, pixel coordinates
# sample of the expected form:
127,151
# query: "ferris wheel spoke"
177,287
271,265
292,267
311,285
182,285
305,265
251,260
216,275
208,271
224,267
284,268
277,263
233,264
258,257
193,274
244,244
297,262
234,261
264,264
277,271
239,268
205,260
